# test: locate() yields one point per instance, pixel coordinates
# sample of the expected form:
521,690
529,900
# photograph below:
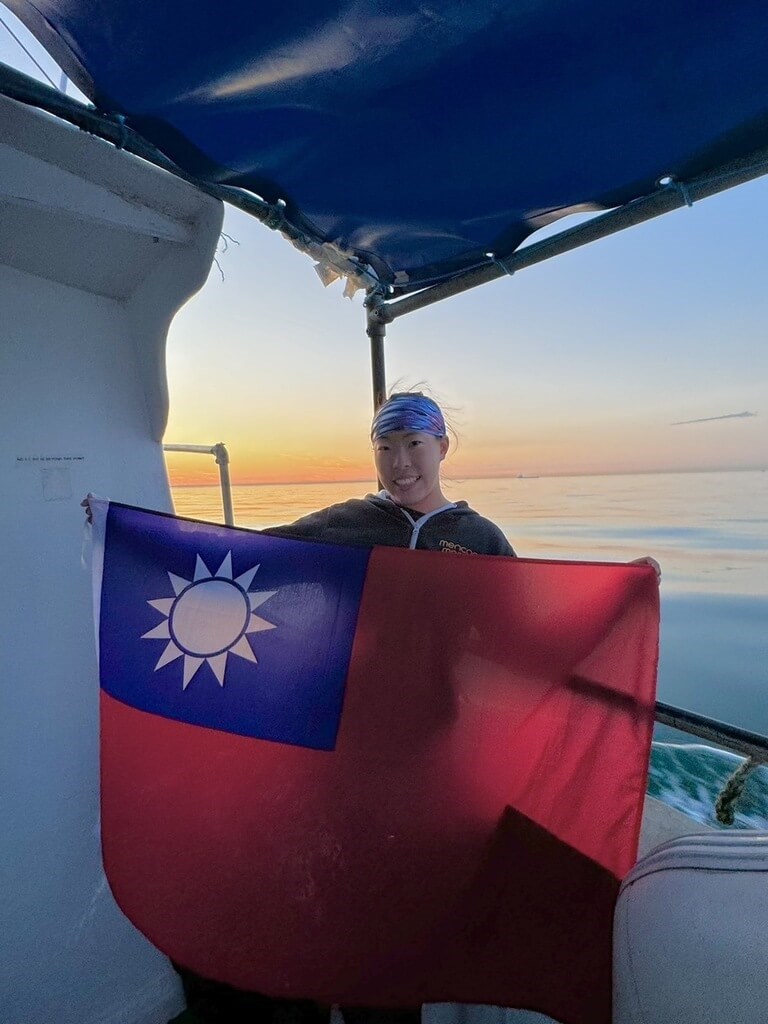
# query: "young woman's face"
408,464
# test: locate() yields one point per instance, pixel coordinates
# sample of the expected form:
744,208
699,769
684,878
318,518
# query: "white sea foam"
690,777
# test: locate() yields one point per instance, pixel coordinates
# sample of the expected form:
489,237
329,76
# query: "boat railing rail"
220,453
740,741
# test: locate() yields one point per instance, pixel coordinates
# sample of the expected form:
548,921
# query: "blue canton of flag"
243,633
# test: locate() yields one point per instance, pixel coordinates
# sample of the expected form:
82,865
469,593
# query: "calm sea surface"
709,531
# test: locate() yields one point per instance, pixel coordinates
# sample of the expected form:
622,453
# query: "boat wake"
690,777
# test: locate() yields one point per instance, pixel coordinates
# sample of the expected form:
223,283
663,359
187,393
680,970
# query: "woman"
410,441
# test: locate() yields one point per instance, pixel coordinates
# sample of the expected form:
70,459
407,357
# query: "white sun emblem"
209,618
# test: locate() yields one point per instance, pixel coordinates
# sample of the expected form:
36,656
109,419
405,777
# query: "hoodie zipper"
416,524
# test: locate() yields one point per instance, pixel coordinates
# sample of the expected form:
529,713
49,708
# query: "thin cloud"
711,419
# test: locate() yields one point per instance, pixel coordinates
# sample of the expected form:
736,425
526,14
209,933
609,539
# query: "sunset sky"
594,362
590,363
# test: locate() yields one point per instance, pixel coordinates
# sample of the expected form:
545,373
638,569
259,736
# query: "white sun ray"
256,624
219,665
225,569
160,632
244,650
178,583
191,665
171,653
247,578
208,619
259,597
202,572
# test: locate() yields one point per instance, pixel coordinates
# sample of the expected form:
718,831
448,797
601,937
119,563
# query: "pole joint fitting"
377,311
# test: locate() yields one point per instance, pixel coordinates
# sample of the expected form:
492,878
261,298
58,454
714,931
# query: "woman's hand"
86,504
647,560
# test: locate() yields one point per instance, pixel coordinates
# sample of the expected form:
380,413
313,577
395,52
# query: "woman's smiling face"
408,465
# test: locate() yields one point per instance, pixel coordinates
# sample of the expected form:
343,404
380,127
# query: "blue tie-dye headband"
408,412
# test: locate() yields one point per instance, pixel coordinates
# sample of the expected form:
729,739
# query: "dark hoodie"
376,519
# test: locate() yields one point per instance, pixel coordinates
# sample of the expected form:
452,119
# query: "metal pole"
672,195
376,330
749,744
220,453
222,461
195,449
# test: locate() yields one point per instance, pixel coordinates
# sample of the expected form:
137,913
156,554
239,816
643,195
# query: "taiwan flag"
371,777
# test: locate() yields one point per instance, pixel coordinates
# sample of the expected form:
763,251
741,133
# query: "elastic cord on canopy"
669,181
683,192
500,263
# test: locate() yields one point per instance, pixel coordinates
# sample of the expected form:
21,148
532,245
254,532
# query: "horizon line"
448,478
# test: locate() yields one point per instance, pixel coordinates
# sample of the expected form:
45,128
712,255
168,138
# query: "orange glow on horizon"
184,477
272,468
326,445
200,471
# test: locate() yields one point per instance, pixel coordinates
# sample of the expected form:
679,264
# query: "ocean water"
709,532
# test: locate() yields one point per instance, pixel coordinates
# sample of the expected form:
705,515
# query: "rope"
732,790
120,121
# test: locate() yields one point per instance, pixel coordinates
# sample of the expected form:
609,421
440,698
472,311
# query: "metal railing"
220,453
740,741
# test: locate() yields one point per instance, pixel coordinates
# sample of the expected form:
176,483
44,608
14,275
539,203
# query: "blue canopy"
421,137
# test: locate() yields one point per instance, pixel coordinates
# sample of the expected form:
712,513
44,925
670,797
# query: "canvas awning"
423,137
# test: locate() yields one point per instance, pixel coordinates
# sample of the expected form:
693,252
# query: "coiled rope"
732,790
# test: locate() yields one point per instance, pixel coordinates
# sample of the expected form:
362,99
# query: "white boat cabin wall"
98,250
